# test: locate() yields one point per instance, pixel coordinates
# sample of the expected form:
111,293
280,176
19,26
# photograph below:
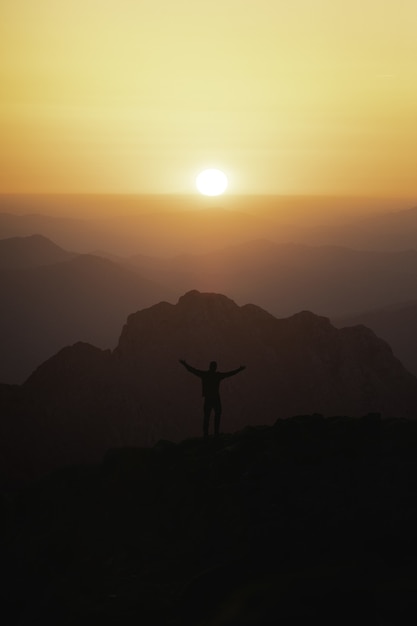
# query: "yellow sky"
136,96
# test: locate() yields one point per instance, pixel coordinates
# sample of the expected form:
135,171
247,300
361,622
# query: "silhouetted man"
211,380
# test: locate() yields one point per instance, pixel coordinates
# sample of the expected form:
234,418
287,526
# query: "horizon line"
208,198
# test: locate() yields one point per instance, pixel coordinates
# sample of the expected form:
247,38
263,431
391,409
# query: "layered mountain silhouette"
160,231
397,324
391,230
52,298
84,400
175,224
277,520
285,278
29,252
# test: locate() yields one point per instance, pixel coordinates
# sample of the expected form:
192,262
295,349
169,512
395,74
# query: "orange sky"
303,97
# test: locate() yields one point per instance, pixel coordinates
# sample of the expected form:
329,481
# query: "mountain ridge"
31,251
393,229
284,278
84,400
281,278
396,324
72,297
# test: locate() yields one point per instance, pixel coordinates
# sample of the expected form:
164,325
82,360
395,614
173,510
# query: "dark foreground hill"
310,520
85,400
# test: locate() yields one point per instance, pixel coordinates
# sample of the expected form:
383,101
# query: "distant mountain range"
29,252
158,230
84,400
397,324
162,233
286,278
393,230
52,297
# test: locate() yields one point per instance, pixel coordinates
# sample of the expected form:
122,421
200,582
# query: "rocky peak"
309,323
207,305
195,320
140,393
69,366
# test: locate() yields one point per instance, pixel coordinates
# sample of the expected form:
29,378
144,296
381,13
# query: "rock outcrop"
84,400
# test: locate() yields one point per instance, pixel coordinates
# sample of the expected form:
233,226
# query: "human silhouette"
211,380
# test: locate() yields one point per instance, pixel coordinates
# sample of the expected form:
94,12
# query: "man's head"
213,366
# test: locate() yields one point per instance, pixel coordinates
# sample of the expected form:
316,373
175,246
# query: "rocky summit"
310,520
84,400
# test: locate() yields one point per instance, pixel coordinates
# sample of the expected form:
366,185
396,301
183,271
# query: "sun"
211,182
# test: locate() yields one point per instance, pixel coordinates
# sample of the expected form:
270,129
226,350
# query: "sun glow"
338,117
211,182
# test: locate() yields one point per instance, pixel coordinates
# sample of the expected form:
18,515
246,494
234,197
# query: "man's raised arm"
191,369
233,372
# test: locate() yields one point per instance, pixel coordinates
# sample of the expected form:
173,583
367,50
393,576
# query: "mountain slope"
396,324
169,225
47,307
393,230
285,278
162,231
29,252
308,363
84,400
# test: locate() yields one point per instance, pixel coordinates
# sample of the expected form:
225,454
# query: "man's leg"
217,415
207,411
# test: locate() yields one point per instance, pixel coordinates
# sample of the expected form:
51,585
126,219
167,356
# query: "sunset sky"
137,96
